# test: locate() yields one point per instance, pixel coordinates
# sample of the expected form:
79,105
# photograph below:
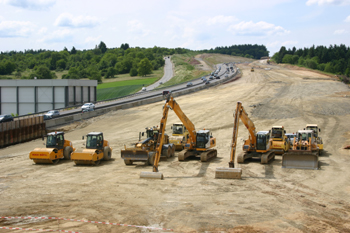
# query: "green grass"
133,82
115,92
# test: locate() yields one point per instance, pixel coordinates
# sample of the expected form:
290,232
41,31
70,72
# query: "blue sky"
193,24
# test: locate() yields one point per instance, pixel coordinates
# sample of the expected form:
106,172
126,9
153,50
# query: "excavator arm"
184,119
241,114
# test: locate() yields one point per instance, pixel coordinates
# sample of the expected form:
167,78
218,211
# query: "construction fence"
21,130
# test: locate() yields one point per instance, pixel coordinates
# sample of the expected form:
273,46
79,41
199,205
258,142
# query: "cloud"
16,29
58,36
31,4
137,28
347,19
220,19
328,2
68,20
257,29
93,40
340,32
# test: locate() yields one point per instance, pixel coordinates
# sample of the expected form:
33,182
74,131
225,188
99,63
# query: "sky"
192,24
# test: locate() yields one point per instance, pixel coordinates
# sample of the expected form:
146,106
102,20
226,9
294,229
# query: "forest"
335,59
92,64
246,50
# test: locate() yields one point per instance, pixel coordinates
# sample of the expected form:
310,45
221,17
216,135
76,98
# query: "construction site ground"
268,198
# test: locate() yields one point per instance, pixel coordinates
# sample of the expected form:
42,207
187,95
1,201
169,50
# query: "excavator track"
243,156
205,156
267,157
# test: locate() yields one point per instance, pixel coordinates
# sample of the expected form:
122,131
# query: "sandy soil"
189,199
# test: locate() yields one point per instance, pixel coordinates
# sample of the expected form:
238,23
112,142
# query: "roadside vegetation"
334,59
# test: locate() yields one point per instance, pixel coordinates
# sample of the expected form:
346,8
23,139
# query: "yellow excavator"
280,143
256,146
316,130
304,153
97,149
56,148
198,143
179,136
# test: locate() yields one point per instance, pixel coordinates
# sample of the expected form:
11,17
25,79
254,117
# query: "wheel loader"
97,149
179,136
319,141
280,143
144,151
56,148
304,153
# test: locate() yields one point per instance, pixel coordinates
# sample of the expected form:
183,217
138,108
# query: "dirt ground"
189,199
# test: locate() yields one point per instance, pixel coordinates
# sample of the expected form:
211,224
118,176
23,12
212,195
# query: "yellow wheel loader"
144,151
97,149
280,143
316,130
56,148
179,136
304,153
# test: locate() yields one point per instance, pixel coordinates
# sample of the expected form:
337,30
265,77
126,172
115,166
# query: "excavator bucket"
228,173
300,160
152,175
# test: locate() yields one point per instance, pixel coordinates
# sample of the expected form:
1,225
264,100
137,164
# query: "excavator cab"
203,138
262,140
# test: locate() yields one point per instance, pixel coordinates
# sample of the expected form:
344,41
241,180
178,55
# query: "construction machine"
316,130
198,143
280,143
179,136
97,149
144,151
304,153
252,69
56,148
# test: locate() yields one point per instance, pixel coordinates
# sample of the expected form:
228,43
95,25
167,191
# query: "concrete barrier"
98,112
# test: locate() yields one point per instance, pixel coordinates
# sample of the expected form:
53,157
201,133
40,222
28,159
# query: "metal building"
37,95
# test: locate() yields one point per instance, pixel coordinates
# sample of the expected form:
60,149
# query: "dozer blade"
152,175
300,160
135,155
228,173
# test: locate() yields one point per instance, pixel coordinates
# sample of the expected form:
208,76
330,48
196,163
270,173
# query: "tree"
61,64
110,72
133,72
145,67
73,51
73,73
102,46
42,72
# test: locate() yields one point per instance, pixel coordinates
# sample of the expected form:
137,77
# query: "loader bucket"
300,160
228,173
134,155
152,175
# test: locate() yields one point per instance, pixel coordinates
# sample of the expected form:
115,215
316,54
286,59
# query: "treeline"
92,64
334,59
246,50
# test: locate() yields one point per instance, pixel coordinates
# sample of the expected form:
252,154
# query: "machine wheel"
55,161
128,162
169,152
107,153
67,152
151,160
172,151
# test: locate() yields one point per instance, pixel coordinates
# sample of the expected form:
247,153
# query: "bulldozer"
304,153
316,130
144,151
256,146
56,148
97,149
179,136
198,143
280,143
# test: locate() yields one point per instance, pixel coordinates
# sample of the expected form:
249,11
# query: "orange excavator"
256,146
198,143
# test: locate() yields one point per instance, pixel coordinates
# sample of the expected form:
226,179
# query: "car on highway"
160,83
211,77
144,89
189,84
6,118
52,113
88,105
204,80
207,82
218,77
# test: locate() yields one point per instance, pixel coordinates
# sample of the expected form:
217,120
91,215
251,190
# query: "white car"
144,89
88,106
52,113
